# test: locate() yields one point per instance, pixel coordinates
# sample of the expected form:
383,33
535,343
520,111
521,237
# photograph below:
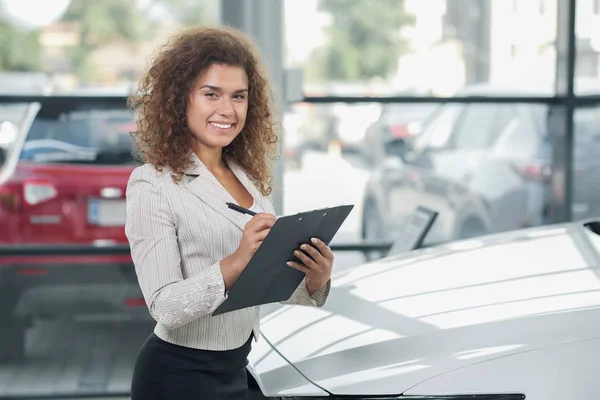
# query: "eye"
211,95
240,96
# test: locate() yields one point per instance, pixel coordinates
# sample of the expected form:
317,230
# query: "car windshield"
81,136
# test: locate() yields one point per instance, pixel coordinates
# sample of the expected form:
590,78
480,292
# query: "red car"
63,181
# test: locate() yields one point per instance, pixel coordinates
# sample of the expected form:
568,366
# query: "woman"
205,133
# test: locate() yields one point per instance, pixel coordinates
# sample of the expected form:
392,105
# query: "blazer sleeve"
152,234
301,296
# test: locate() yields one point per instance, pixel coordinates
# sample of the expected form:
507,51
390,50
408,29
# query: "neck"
212,158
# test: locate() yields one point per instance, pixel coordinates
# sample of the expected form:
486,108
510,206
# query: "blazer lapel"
209,189
249,185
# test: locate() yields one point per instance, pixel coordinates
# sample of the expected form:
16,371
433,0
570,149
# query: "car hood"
391,324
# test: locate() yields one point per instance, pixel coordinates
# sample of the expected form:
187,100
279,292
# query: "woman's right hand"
254,233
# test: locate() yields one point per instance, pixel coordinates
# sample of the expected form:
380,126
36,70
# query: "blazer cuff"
302,298
320,296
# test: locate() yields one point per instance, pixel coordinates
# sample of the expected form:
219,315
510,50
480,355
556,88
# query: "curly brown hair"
161,100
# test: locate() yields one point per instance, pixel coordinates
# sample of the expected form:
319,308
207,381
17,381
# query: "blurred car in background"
63,181
509,316
397,121
12,117
484,167
348,125
306,127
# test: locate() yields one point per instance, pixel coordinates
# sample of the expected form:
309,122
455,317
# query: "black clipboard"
267,278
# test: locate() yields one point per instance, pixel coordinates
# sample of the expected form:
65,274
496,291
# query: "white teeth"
222,126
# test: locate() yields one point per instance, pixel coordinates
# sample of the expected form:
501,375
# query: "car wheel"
472,228
12,339
372,230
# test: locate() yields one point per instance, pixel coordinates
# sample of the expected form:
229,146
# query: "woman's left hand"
316,263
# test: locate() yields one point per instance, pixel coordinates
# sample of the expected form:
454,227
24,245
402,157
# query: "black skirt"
166,371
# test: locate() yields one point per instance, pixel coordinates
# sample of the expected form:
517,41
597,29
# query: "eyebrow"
218,89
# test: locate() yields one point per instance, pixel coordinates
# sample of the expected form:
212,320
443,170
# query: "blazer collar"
209,189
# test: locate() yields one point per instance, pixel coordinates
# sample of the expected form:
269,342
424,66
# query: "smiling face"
218,105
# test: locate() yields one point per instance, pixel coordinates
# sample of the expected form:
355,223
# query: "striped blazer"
178,234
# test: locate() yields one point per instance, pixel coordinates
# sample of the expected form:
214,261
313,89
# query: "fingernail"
314,240
303,247
296,252
289,263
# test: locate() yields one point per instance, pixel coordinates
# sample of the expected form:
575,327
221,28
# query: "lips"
221,125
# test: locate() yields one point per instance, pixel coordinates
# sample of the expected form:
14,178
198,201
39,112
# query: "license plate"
103,212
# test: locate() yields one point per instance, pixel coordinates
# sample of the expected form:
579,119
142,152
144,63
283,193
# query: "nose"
226,107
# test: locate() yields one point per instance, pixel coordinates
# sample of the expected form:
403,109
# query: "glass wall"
412,47
83,46
73,323
587,37
484,167
586,163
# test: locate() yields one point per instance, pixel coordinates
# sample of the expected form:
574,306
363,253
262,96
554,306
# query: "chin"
212,140
221,142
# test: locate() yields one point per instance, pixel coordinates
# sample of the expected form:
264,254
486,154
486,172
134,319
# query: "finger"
256,220
258,223
314,253
260,236
268,215
323,249
265,216
299,267
270,218
306,260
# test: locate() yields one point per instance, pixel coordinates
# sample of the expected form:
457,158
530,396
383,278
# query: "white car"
503,317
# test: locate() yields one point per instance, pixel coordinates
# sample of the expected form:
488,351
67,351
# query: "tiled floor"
69,358
75,358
